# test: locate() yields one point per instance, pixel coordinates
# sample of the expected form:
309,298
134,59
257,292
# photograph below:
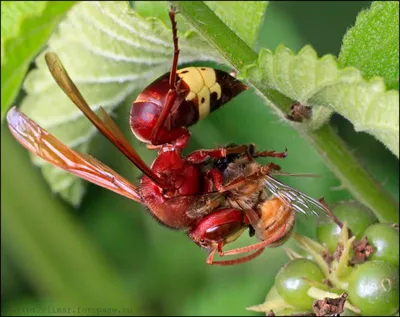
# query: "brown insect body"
253,194
274,215
270,207
246,204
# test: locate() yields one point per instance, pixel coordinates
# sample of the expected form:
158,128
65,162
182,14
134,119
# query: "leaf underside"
247,29
319,82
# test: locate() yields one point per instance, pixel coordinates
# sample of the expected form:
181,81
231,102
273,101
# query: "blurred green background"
111,253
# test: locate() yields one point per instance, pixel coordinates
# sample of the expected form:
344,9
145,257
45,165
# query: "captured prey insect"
178,99
253,199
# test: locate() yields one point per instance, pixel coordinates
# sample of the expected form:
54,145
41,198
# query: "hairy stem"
335,153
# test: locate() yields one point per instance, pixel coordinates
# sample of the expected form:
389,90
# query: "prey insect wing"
296,199
199,205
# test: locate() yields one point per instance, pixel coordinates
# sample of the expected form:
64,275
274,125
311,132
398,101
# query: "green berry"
348,312
374,288
358,219
292,285
385,240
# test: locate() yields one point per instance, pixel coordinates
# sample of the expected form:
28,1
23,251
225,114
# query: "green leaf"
231,12
109,51
372,45
25,27
249,13
228,11
319,82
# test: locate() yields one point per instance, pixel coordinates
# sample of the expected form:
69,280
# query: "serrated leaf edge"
349,75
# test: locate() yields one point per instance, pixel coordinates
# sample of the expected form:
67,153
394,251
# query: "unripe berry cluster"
351,269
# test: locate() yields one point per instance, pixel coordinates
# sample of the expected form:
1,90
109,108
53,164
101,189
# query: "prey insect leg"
199,156
258,247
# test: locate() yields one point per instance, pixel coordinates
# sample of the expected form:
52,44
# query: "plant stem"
218,35
352,174
335,153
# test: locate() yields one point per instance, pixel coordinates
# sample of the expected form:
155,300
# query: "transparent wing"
196,205
43,144
296,199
